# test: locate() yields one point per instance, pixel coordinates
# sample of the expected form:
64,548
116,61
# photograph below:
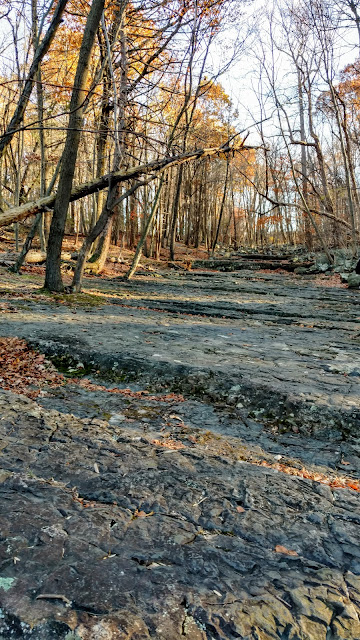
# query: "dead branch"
16,214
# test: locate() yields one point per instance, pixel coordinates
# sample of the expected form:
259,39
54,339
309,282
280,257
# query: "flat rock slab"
107,533
279,347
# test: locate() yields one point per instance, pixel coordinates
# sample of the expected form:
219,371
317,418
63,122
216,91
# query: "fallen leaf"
23,370
109,555
90,386
196,504
169,444
288,552
240,509
142,514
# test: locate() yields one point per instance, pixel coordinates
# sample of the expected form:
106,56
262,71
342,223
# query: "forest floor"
199,476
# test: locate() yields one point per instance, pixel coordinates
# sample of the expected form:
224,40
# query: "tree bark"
42,204
145,231
43,48
222,205
105,217
175,212
304,172
53,280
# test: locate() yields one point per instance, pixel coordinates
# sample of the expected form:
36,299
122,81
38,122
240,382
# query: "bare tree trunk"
53,280
100,255
31,235
347,166
304,174
175,212
106,215
145,231
43,48
40,111
101,142
222,203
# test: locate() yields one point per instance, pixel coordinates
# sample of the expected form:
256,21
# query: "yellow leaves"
59,66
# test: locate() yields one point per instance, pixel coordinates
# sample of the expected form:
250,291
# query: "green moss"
143,412
6,583
69,366
74,300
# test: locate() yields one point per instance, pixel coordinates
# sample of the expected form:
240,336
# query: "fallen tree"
16,214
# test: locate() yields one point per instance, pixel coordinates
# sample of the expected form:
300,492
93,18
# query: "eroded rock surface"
127,516
108,535
282,346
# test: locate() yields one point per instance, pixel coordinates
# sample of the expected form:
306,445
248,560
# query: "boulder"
35,257
353,280
323,266
300,271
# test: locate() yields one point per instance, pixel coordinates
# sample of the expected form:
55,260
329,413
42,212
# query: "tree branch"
43,48
42,204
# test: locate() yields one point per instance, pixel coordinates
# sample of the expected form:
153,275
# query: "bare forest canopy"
117,125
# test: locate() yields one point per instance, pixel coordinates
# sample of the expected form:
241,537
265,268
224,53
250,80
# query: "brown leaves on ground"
24,371
6,308
169,444
335,482
333,281
91,386
141,514
287,552
215,444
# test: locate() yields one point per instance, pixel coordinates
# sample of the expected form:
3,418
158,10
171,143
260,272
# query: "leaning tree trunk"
31,235
42,50
145,231
47,202
100,255
175,212
53,280
106,216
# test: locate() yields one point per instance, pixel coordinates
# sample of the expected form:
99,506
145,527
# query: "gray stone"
156,541
353,280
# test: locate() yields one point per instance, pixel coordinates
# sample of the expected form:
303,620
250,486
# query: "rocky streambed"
214,497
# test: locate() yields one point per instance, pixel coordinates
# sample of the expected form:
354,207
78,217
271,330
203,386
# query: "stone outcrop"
108,535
